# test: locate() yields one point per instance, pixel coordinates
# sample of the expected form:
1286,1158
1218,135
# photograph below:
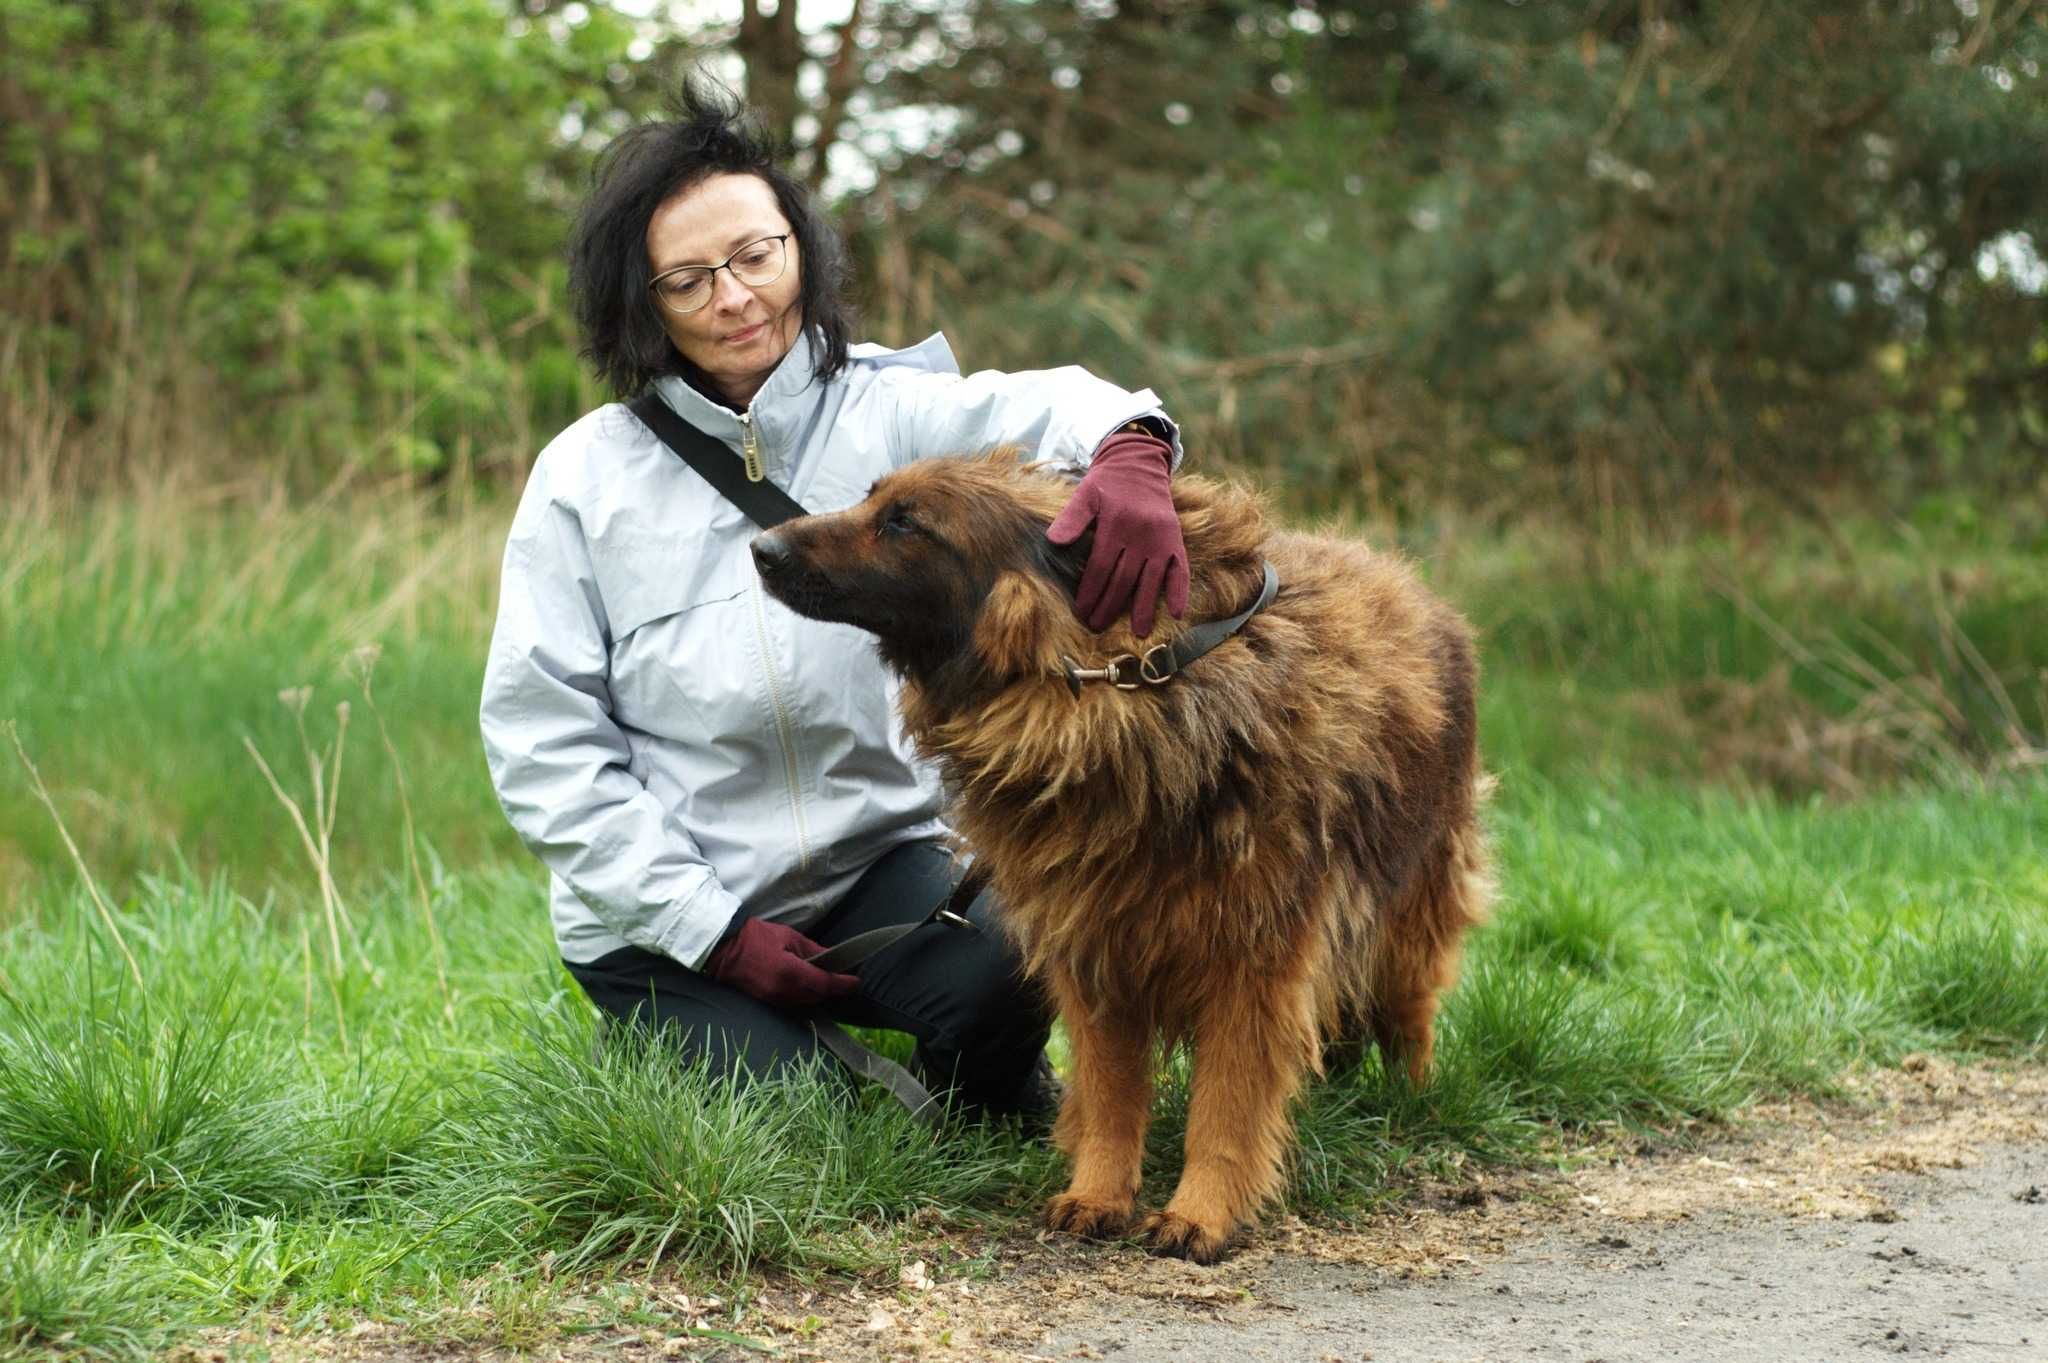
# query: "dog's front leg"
1102,1122
1254,1044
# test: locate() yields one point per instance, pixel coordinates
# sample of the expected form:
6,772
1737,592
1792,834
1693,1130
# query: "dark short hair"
709,132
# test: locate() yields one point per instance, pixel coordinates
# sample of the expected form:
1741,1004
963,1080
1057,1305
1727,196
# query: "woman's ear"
1011,633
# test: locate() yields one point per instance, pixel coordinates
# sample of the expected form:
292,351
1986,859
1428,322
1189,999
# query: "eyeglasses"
689,287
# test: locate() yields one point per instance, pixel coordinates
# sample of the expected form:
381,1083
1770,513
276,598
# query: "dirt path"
1961,1273
1911,1222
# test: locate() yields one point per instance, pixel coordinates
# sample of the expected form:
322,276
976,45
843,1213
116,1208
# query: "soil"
1908,1219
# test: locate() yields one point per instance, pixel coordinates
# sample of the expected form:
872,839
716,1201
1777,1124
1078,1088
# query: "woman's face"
742,333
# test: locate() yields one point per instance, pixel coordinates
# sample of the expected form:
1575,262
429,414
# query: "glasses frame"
711,274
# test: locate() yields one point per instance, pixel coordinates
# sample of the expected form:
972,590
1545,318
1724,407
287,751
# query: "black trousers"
980,1025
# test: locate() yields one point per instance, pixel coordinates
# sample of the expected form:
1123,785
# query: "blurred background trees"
1376,252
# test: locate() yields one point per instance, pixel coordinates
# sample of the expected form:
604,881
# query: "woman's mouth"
742,337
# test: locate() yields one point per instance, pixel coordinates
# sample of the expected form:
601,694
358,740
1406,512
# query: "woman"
717,785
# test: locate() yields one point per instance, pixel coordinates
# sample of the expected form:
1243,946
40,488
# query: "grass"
69,1288
352,1081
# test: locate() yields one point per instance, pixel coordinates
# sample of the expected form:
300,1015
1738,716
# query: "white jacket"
672,742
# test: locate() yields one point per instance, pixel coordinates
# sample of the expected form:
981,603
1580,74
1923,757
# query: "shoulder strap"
766,505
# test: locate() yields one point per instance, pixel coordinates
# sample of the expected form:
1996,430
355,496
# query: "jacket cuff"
1151,418
692,928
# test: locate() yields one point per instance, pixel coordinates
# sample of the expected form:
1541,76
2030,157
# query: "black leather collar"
1158,664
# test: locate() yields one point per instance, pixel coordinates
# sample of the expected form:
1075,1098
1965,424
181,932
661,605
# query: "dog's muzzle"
772,554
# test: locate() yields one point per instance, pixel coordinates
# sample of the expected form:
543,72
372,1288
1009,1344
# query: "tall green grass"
621,1151
353,1080
125,1106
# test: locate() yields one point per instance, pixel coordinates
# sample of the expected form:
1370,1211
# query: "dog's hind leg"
1420,948
1103,1118
1254,1044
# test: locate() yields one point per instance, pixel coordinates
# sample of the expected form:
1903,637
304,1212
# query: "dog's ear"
1063,563
1011,634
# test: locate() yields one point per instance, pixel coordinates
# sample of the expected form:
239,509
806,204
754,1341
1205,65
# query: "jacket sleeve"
1059,415
559,760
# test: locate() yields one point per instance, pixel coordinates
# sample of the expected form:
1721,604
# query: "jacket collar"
775,411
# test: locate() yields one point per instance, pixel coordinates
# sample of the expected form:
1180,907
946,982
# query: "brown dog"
1272,856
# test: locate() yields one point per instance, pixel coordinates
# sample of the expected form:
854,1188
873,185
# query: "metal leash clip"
1126,671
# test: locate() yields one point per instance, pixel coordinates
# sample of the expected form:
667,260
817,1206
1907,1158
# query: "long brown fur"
1273,857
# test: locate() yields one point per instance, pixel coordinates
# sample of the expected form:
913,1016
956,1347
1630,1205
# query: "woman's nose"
727,293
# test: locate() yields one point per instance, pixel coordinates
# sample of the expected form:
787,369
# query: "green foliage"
341,213
1717,240
1982,979
1596,250
1373,251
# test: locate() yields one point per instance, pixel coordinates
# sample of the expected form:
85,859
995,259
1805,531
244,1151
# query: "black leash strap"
866,1063
1159,663
766,505
877,1068
951,910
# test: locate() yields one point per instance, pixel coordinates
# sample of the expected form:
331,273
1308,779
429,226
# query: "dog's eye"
898,520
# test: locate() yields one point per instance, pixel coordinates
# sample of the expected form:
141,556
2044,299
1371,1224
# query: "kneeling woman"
717,785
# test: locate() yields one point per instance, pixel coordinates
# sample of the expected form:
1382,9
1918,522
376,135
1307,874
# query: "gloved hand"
772,962
1127,495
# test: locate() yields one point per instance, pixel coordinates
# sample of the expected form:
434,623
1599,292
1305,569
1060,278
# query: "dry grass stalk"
326,799
306,953
305,840
364,662
1958,645
326,807
42,793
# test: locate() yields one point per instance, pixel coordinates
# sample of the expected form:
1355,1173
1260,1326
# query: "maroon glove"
772,962
1128,496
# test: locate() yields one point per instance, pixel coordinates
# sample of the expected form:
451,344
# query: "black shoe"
1033,1105
1036,1104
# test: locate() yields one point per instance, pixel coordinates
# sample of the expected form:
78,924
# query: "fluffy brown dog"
1272,856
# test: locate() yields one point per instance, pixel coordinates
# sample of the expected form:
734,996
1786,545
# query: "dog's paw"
1172,1234
1087,1216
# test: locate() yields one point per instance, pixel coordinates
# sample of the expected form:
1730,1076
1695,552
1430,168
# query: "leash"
862,1060
952,911
1159,663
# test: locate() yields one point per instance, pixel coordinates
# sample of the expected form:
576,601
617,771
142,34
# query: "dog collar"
1157,665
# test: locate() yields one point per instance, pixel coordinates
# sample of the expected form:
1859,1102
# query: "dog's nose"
771,553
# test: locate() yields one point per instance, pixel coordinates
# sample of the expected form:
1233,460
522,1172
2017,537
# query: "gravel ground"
1956,1268
1908,1219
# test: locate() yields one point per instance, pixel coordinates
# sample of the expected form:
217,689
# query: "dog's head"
946,563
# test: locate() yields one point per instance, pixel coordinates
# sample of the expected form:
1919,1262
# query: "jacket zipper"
750,446
784,732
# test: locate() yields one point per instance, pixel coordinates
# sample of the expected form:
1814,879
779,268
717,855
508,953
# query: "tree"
332,223
1678,243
